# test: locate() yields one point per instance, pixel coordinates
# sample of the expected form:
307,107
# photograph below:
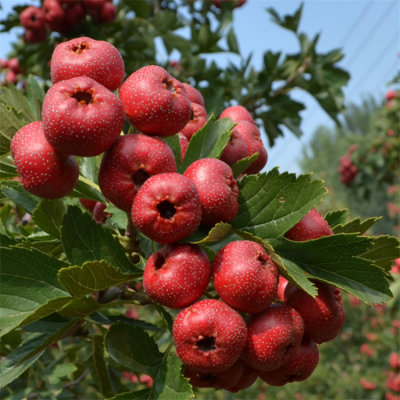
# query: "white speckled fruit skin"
151,106
298,368
237,114
235,150
274,336
217,188
84,130
208,318
197,120
182,278
43,171
96,59
178,190
242,280
127,155
194,95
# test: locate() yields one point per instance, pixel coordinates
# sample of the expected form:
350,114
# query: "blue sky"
367,31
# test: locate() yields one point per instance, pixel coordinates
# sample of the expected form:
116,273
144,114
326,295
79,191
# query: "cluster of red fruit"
12,70
277,342
347,169
60,15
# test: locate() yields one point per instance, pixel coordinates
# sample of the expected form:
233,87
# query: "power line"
371,32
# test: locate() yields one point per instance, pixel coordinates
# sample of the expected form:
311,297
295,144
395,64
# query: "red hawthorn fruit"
235,150
217,380
274,336
88,204
167,208
33,18
177,275
245,276
198,118
75,14
391,95
283,282
217,188
54,12
99,215
155,102
312,226
35,36
84,56
59,27
81,117
249,376
43,171
323,315
3,63
237,114
11,77
252,137
184,143
93,4
298,368
13,64
128,163
209,336
107,13
237,3
194,95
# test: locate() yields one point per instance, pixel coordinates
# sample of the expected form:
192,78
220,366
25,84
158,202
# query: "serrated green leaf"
141,8
337,260
384,251
88,169
23,198
84,240
99,371
208,142
118,217
133,348
290,22
173,143
92,277
272,203
30,289
99,318
14,98
50,247
356,226
241,166
10,123
48,216
336,217
5,241
214,235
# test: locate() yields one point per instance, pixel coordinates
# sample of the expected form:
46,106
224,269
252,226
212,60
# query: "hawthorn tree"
71,293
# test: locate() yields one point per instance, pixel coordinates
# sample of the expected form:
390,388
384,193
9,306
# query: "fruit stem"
131,130
132,244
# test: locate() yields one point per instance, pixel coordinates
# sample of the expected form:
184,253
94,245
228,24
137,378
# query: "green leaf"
99,371
87,190
84,240
92,277
272,203
35,95
133,348
23,198
118,217
5,241
336,217
99,318
14,98
232,42
337,260
7,169
48,216
10,123
384,251
241,166
144,394
30,289
165,315
289,22
141,8
208,142
9,374
50,247
173,143
88,168
216,233
356,226
80,308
